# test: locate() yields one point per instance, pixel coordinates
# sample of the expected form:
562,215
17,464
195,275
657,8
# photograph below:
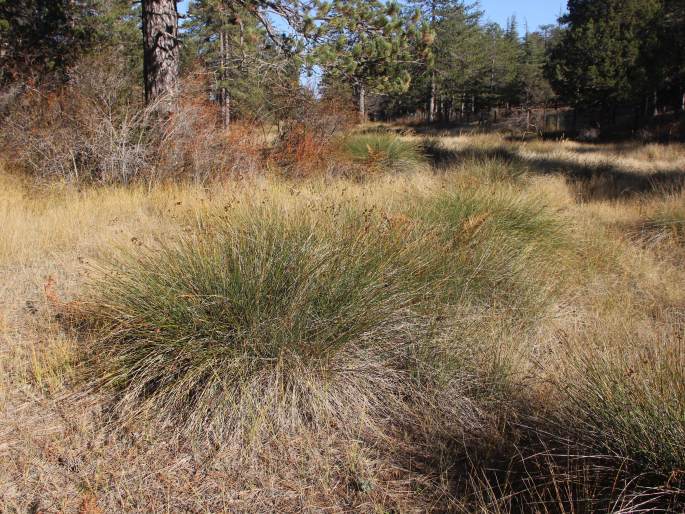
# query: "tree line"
437,59
601,55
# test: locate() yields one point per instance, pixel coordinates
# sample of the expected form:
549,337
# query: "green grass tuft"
632,407
384,151
282,319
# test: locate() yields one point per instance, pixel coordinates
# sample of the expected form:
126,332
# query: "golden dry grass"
618,292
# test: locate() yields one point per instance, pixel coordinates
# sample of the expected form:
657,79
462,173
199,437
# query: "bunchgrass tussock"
272,321
280,318
631,407
497,163
384,151
498,240
667,222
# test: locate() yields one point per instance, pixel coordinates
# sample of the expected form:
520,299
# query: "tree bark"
225,99
431,102
160,49
362,104
226,108
558,120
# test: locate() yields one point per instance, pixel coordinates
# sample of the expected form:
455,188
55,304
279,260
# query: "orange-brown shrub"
307,142
194,145
95,128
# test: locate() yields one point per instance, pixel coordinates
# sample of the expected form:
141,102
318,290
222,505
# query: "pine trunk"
362,104
558,121
226,108
431,102
225,99
161,49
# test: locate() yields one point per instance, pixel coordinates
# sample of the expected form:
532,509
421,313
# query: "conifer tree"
535,88
668,52
598,62
160,48
460,61
246,65
368,44
433,11
39,38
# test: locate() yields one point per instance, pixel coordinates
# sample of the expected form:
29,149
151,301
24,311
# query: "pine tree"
367,44
160,48
505,55
41,38
460,59
246,66
433,11
667,55
535,88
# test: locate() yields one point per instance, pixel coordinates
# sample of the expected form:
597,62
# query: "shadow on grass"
536,466
589,182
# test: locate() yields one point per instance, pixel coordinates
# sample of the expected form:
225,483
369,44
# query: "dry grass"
574,320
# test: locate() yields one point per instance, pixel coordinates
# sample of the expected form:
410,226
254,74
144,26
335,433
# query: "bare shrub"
96,129
191,143
89,129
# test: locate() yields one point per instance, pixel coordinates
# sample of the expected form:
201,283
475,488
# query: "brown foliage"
307,143
96,129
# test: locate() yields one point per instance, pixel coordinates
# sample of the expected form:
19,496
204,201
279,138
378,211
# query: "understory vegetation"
474,325
348,256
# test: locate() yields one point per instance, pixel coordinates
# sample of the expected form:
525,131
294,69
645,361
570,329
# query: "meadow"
466,323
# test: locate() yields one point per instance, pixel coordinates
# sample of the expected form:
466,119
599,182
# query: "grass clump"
274,319
668,222
631,405
500,163
384,151
281,319
498,240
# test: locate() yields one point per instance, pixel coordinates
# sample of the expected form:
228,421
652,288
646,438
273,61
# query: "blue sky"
536,12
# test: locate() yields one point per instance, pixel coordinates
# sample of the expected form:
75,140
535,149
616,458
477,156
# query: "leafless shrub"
192,144
97,129
89,129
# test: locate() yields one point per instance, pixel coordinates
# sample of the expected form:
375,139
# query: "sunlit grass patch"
384,151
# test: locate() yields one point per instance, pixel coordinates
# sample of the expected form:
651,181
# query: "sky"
535,12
